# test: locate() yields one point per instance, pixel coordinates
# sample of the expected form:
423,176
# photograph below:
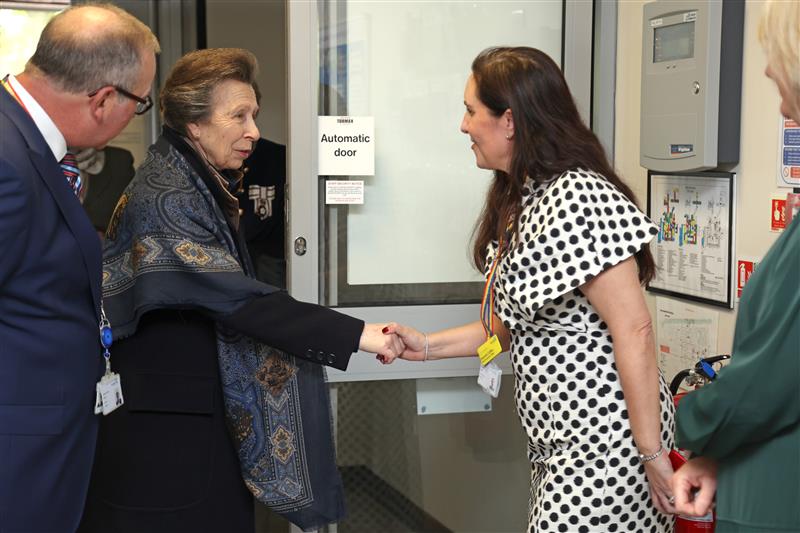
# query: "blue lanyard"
106,337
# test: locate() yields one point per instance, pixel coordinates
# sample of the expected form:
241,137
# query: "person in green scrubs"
745,426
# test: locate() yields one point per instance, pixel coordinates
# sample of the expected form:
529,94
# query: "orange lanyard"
487,302
13,93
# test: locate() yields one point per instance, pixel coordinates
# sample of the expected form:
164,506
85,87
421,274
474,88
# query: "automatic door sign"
346,146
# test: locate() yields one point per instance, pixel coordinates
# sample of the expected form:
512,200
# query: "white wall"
759,140
261,28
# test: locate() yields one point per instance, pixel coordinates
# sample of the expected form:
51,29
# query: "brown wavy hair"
549,139
188,93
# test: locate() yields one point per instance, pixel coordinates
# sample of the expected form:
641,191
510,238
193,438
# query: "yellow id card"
489,350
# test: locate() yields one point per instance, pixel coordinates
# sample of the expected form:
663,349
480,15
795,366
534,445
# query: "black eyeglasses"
143,105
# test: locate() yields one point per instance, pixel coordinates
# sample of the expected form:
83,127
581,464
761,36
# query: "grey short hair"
187,93
102,54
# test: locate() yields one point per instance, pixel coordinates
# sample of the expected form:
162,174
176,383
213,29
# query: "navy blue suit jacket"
50,358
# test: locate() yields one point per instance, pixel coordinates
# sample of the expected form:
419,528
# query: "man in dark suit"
92,70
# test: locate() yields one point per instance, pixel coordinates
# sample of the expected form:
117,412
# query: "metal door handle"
300,246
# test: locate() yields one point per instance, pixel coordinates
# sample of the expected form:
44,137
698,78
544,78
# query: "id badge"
489,350
109,394
489,379
98,400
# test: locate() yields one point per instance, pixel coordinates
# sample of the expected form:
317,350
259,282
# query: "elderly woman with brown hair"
746,425
225,395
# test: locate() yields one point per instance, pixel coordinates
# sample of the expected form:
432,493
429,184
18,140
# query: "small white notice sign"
344,192
346,146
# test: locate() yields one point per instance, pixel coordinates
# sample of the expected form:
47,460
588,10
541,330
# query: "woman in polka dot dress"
569,247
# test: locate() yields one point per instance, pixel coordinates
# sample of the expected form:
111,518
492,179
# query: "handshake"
390,341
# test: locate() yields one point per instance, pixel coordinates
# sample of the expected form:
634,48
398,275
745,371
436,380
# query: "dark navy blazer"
50,359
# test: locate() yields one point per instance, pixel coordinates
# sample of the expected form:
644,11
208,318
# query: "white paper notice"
685,333
344,192
346,146
789,164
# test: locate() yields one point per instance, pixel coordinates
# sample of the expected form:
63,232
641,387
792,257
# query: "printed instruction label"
744,269
789,157
343,192
777,215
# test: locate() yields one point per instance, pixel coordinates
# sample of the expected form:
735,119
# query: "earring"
508,136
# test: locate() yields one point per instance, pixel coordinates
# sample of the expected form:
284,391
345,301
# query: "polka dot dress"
585,472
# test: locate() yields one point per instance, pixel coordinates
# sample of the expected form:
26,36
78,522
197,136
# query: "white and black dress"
585,472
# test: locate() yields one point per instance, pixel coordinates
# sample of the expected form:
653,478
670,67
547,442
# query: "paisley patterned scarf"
170,246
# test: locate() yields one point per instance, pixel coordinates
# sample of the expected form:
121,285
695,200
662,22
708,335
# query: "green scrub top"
749,418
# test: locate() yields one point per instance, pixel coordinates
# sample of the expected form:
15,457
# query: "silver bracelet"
426,347
644,458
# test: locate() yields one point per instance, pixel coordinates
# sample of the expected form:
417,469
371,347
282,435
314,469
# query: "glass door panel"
405,64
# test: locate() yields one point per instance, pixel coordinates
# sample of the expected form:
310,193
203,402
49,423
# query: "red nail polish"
385,330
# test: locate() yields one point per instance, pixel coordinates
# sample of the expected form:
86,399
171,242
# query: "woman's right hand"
375,340
694,486
413,340
659,473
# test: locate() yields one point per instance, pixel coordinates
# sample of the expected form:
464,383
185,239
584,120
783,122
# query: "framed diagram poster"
693,250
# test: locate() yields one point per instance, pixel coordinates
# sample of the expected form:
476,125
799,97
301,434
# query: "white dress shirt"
52,135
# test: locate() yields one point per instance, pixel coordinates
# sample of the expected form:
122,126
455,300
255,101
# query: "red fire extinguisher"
691,524
702,373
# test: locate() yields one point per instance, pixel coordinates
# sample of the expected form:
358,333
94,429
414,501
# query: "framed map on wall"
693,250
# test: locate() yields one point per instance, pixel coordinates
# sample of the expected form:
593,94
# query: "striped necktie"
69,166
